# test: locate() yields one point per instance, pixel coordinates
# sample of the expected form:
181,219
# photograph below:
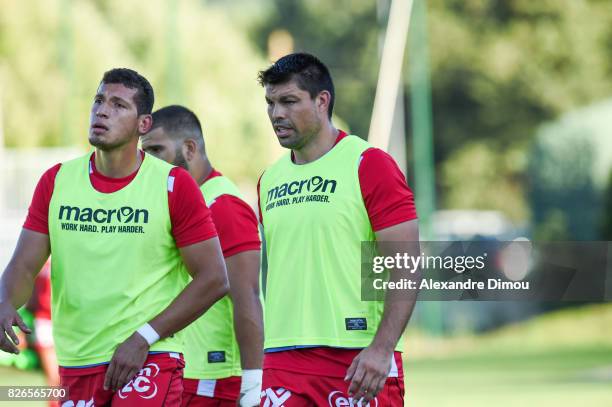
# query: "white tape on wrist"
148,333
250,387
250,379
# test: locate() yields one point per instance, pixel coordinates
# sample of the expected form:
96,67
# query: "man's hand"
16,284
8,319
368,372
128,359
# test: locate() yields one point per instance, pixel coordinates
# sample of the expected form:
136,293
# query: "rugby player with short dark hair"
121,225
318,203
224,347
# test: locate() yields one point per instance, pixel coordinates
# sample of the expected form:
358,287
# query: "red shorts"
159,383
289,389
211,393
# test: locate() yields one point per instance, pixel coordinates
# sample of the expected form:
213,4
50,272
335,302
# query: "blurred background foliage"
53,54
500,72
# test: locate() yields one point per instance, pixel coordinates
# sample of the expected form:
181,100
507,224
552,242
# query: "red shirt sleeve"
387,197
191,218
236,225
38,213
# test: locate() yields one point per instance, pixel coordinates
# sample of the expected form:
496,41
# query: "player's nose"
101,111
277,113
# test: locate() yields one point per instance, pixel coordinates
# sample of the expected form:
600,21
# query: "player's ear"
145,121
322,101
190,149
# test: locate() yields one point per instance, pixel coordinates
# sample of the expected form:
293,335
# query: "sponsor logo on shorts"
142,383
275,398
79,403
339,399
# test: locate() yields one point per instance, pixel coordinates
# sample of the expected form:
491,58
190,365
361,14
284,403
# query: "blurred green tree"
51,63
499,70
568,172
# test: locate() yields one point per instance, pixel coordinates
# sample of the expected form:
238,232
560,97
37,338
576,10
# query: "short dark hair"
308,71
179,123
144,96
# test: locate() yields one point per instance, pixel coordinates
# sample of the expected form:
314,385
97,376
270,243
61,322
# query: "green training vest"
211,349
314,221
115,263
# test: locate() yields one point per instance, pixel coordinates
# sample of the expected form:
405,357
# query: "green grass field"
569,377
560,359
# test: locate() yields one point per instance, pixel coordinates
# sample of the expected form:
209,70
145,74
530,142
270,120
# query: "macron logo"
314,184
125,214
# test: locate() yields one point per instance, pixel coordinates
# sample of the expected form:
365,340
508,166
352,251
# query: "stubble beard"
179,160
99,142
302,139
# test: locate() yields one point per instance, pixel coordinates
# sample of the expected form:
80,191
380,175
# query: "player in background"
332,191
120,225
224,347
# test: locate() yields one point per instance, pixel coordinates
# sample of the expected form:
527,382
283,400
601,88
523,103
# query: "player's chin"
94,139
289,142
99,141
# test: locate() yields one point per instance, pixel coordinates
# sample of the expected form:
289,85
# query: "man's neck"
200,170
318,146
118,163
